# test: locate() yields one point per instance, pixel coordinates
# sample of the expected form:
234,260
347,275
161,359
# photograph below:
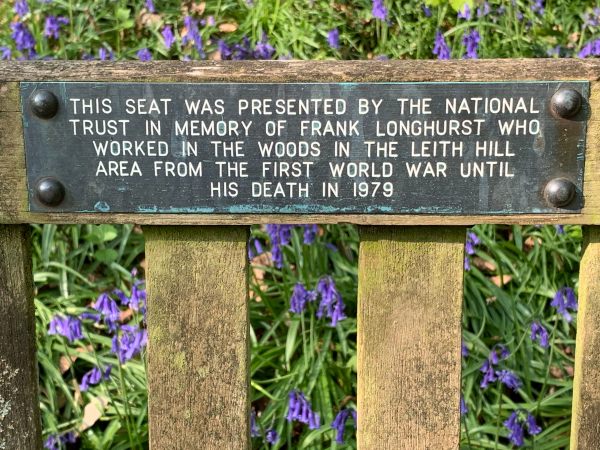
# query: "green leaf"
106,255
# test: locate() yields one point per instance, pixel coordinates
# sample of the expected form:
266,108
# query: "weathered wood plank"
282,71
198,337
409,330
585,425
20,426
13,187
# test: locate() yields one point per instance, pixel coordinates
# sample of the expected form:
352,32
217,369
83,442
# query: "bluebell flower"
331,304
107,307
591,48
426,10
224,50
91,316
52,442
254,430
24,40
150,6
463,407
168,37
5,53
339,423
53,24
137,301
592,19
300,297
464,351
104,54
565,300
67,326
263,50
509,379
129,342
489,375
299,409
532,427
464,12
271,436
467,264
193,35
440,48
539,333
515,429
538,7
90,378
21,8
144,54
560,229
310,233
471,41
279,235
484,9
379,11
333,38
471,242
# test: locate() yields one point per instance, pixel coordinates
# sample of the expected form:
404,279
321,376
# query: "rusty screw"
566,103
44,104
49,191
559,192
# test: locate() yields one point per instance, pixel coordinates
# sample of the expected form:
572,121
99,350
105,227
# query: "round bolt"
44,104
559,192
566,103
49,191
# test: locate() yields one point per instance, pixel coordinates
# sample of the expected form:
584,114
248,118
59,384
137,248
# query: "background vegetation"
90,300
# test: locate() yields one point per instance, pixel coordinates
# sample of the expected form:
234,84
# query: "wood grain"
20,426
585,424
409,331
13,186
198,338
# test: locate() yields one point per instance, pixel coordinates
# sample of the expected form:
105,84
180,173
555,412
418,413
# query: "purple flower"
90,378
426,10
52,442
53,24
144,54
515,429
92,316
333,38
539,333
310,232
299,409
225,51
471,41
254,430
67,326
69,437
467,263
104,54
5,53
279,235
440,48
150,6
592,48
591,19
509,379
300,297
471,243
331,304
130,342
137,301
379,11
538,7
168,37
489,376
24,40
484,10
339,423
107,307
563,300
21,8
532,427
560,229
464,351
242,50
263,50
193,35
271,436
464,13
463,406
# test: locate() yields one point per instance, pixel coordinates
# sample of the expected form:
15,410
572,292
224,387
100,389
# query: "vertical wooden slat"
198,337
20,426
585,425
409,331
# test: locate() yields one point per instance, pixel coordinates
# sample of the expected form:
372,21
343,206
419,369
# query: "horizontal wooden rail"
13,186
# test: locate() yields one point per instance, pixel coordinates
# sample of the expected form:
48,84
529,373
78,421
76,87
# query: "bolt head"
566,103
559,192
44,104
49,191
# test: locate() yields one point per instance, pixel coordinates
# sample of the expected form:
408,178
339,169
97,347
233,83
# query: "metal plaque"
329,148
